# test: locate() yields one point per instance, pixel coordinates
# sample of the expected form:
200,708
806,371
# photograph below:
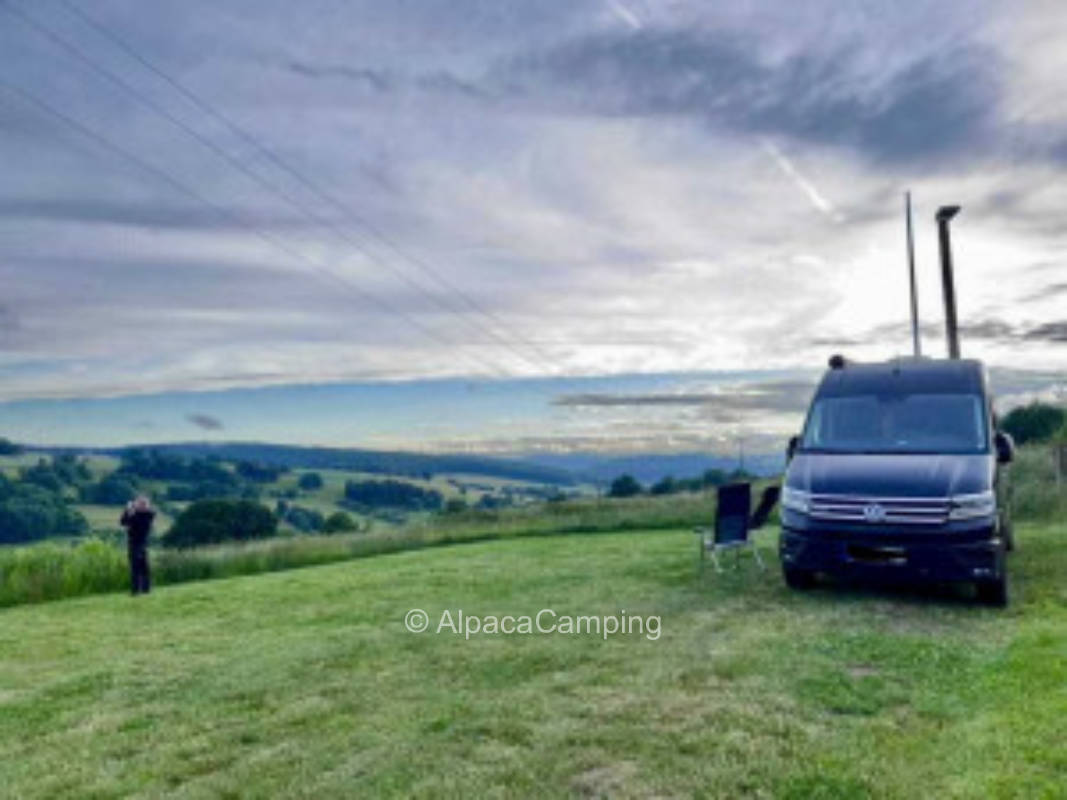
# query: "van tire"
799,579
993,593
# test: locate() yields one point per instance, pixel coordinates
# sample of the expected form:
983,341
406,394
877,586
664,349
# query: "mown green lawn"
305,683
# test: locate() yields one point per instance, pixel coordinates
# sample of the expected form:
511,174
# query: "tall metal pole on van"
916,347
944,216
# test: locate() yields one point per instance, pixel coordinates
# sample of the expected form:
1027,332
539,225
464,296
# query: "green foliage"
259,473
9,448
115,489
310,481
29,512
1037,422
624,486
339,522
392,494
1037,493
455,505
304,519
214,521
665,485
163,466
44,475
50,571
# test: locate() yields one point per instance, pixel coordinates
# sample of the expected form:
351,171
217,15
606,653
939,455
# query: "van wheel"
993,593
799,579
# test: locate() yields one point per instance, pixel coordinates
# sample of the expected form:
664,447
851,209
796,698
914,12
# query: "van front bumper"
955,553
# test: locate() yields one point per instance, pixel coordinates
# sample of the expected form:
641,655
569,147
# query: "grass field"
305,683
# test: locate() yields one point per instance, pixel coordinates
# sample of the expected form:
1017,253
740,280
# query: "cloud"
767,395
91,210
940,106
821,204
205,422
1048,332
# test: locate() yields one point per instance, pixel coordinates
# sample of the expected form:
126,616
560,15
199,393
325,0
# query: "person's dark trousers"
138,552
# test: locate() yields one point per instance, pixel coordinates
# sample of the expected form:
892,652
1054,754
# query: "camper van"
899,475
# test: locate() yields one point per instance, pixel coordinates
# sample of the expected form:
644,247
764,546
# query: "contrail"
625,14
823,205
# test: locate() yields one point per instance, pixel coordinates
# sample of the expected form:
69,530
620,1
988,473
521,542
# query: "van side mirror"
791,448
1005,446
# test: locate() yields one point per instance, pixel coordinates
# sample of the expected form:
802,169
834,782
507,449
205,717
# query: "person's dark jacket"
137,523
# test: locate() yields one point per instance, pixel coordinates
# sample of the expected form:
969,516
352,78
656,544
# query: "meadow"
58,569
306,683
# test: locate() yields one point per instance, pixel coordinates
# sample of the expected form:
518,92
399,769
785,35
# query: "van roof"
906,376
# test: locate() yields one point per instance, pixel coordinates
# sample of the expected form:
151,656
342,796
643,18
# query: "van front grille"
880,510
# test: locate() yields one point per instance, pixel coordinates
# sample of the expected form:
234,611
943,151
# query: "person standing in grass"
137,520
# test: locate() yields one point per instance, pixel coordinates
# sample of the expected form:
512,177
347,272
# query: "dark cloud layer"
773,396
939,105
205,422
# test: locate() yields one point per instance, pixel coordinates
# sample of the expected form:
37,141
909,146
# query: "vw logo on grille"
874,513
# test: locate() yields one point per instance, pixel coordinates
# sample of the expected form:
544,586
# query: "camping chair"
733,521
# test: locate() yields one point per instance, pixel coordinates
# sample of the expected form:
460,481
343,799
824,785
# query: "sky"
591,224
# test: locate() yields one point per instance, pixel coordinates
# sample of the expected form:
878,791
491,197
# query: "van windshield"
911,423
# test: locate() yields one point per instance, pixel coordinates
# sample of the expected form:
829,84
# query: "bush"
310,481
392,494
339,522
29,512
304,519
624,486
215,521
456,505
665,485
114,490
259,473
1037,422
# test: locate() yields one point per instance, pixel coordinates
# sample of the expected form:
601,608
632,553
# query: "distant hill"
376,461
650,467
561,469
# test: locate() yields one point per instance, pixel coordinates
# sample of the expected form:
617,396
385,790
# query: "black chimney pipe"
944,216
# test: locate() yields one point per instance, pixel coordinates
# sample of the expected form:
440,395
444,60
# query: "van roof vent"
838,361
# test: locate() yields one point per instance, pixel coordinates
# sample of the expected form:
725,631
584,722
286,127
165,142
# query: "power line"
267,153
221,153
231,216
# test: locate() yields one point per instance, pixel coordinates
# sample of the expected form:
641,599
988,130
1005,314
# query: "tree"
9,448
1037,422
114,490
339,522
260,473
310,481
304,519
42,474
713,477
213,521
624,486
455,505
29,512
666,485
392,494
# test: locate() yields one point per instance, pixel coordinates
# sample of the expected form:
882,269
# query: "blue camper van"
899,475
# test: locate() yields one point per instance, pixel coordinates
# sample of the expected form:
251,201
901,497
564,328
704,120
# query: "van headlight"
796,500
972,506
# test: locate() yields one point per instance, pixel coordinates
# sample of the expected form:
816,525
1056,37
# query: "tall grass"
1038,493
50,571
